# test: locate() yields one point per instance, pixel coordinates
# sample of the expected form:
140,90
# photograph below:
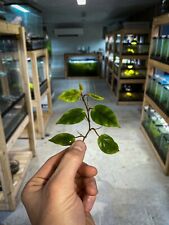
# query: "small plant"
100,114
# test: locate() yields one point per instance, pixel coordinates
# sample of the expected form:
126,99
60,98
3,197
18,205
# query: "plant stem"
88,116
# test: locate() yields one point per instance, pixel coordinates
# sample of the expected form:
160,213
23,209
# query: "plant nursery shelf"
161,150
150,102
17,116
165,166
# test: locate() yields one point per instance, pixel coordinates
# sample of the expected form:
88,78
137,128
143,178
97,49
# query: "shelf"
149,101
17,132
11,184
36,101
124,56
110,70
129,102
119,49
13,55
24,159
159,65
131,81
152,65
164,167
7,28
161,20
133,31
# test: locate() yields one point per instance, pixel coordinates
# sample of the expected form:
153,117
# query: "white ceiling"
95,11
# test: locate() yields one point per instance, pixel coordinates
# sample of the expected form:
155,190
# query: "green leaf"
72,116
71,95
107,144
104,116
64,139
80,87
96,97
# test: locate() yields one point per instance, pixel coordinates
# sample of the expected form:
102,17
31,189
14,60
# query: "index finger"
50,166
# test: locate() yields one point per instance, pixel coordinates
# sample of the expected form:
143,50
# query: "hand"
63,191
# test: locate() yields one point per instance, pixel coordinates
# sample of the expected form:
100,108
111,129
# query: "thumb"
71,161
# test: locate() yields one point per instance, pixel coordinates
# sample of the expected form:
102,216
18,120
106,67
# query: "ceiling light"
81,2
20,8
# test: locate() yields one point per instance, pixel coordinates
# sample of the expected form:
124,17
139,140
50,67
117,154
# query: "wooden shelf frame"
40,122
122,56
110,50
11,186
152,65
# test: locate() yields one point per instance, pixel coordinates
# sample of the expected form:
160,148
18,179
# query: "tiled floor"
132,187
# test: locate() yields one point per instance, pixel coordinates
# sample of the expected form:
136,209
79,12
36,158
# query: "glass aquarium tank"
158,131
41,75
131,68
83,66
134,45
31,18
131,92
12,97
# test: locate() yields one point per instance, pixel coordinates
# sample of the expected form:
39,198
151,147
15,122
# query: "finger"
86,170
88,203
90,186
71,161
91,192
50,166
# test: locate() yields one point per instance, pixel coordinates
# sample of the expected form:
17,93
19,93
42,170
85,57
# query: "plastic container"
165,99
158,49
158,92
151,87
164,146
164,48
41,72
154,47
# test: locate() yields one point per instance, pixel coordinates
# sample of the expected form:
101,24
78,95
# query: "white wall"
92,38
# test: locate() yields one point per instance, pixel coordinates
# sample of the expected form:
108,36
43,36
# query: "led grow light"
82,61
81,2
20,8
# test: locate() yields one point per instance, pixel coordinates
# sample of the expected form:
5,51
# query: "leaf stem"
85,102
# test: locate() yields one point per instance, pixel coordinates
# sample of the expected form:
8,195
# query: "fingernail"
79,145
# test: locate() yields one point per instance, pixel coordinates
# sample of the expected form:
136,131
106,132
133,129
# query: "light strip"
81,2
20,8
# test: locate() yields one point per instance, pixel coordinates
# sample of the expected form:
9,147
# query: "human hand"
63,191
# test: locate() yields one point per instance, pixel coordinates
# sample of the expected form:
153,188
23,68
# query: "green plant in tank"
100,114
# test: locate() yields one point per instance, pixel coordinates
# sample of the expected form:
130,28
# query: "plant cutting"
99,114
